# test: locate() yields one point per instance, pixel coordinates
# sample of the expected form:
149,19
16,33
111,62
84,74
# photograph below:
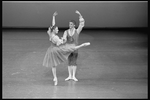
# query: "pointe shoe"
87,43
55,81
75,79
67,78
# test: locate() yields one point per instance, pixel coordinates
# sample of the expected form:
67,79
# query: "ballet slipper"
55,81
86,44
82,45
68,78
74,71
75,79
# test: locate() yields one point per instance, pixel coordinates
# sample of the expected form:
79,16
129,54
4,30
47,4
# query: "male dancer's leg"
74,67
69,67
71,61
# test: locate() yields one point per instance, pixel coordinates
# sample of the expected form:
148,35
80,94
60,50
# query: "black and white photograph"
74,49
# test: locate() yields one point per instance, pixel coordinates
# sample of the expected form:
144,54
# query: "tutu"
56,55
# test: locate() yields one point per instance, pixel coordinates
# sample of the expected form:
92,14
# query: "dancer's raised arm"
53,20
52,31
81,22
53,23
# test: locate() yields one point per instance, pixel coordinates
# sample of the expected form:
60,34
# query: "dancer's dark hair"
73,21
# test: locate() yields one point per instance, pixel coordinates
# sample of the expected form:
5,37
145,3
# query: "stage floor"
113,66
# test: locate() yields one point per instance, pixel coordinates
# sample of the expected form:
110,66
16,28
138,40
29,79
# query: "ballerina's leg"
55,76
82,45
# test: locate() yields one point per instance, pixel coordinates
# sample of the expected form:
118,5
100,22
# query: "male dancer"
71,36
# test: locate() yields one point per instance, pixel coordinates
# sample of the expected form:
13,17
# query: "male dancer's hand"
78,12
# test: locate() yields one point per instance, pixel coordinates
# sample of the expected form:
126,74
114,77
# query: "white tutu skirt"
56,55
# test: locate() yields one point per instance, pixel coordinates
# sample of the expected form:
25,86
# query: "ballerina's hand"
55,13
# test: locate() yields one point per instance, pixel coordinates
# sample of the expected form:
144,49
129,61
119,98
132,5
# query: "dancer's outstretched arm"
81,22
